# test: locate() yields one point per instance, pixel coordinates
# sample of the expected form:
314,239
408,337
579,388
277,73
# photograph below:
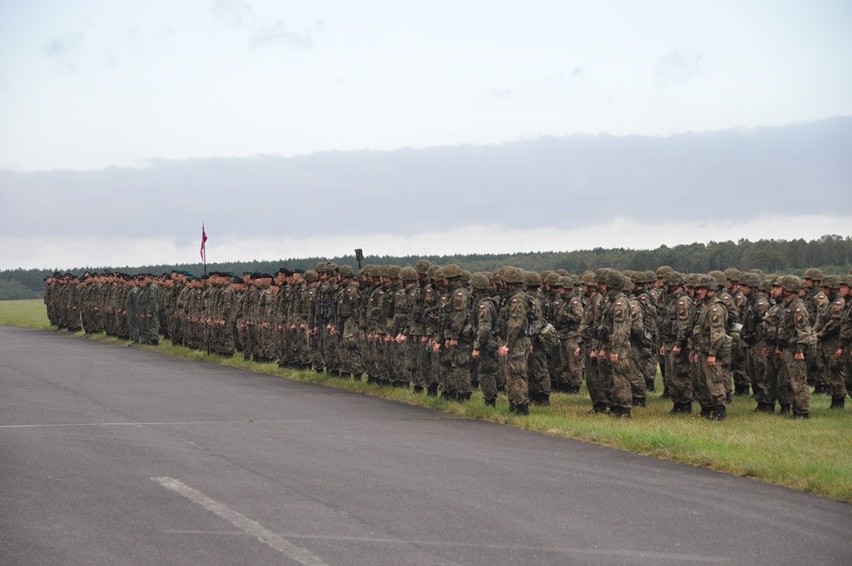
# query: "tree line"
831,253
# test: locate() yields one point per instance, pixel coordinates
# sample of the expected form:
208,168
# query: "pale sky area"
89,85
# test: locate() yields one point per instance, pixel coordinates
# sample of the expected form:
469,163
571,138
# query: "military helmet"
479,281
422,266
588,278
674,279
733,274
391,271
551,278
564,281
767,282
600,274
615,280
791,283
432,271
628,273
451,271
408,274
638,277
532,279
719,277
513,275
847,280
663,270
562,272
345,270
707,281
311,275
650,276
813,273
750,280
465,275
831,281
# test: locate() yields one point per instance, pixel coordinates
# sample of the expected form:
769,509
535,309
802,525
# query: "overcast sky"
88,85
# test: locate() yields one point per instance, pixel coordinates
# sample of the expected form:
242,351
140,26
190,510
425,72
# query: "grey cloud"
62,46
576,72
679,67
564,182
233,13
280,33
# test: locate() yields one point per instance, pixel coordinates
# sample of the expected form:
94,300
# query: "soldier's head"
812,278
791,285
615,281
749,283
732,276
661,274
532,280
831,285
846,286
513,277
705,285
479,283
674,281
564,285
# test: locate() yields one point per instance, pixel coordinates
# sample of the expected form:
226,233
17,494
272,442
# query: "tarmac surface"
115,455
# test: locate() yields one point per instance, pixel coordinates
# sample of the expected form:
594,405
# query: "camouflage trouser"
350,360
816,367
620,384
758,375
489,367
556,369
847,367
539,378
459,376
597,379
709,381
397,358
572,366
151,331
517,367
834,369
776,392
635,376
677,375
793,377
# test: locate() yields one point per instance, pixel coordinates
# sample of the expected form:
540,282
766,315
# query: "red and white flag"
203,244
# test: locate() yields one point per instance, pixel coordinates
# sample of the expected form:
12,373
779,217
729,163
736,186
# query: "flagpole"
204,248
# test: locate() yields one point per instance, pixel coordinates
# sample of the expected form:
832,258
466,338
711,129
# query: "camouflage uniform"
568,315
484,322
753,335
793,339
711,347
614,330
518,320
675,330
827,329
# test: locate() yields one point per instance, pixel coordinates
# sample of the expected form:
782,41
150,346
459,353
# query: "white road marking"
248,526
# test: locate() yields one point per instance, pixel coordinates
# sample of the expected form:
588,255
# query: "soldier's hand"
436,347
799,356
613,357
839,353
475,354
711,361
452,343
424,340
503,351
601,355
577,352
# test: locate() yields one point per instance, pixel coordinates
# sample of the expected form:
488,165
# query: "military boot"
432,390
838,403
785,409
639,401
491,402
522,409
720,412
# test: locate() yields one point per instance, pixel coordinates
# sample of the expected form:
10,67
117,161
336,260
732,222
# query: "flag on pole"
203,244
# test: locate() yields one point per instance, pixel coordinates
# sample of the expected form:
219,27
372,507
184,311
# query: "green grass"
811,455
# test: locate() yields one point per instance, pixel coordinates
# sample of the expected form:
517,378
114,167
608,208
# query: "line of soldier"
446,331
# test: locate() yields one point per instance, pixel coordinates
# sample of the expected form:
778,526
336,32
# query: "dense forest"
831,253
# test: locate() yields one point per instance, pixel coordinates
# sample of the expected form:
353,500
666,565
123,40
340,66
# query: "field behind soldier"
811,455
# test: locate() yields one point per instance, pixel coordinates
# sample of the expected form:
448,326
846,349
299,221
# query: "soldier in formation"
444,331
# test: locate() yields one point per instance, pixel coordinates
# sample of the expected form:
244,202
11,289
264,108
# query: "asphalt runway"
116,455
